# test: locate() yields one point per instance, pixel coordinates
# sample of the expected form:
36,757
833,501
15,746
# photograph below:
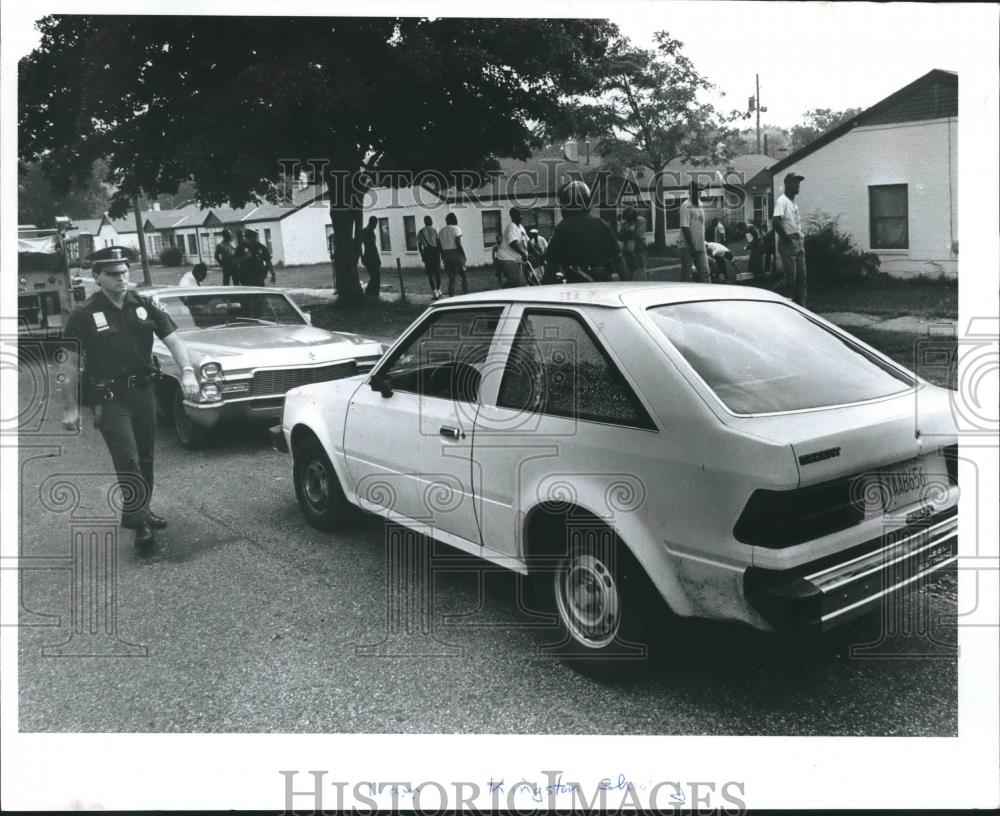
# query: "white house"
890,175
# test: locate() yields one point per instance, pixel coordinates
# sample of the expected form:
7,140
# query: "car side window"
557,367
445,357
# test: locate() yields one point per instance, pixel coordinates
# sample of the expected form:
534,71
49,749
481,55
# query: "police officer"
114,332
256,263
583,247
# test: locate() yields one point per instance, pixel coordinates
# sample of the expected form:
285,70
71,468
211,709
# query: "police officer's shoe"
144,536
155,521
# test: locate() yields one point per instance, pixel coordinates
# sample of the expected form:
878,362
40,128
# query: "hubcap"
315,485
588,601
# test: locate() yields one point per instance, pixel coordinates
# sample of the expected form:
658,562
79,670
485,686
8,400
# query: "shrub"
171,256
831,256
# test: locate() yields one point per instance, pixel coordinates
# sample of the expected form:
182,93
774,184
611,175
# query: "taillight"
950,453
783,518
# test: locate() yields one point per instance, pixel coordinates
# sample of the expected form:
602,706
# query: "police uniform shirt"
255,261
118,342
583,240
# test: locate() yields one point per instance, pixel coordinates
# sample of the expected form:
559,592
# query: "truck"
45,291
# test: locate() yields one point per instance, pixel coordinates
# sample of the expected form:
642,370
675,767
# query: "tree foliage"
228,102
654,109
816,122
39,201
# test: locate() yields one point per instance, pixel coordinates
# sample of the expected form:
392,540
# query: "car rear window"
762,357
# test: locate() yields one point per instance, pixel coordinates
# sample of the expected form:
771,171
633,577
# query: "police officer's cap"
575,196
251,231
117,264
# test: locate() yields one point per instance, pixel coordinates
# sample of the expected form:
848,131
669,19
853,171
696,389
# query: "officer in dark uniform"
256,263
114,332
583,247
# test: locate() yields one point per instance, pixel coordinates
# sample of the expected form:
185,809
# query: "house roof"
944,102
738,170
268,211
86,226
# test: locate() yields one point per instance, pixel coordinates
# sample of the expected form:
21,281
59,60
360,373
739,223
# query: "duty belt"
106,388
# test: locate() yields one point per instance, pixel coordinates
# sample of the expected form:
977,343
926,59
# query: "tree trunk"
345,215
659,228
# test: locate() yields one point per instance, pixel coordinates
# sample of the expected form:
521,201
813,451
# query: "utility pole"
146,279
757,98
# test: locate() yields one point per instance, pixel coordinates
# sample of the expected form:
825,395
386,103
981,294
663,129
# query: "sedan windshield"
237,309
762,357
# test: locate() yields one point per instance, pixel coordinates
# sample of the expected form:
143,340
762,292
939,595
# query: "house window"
491,227
410,231
758,210
383,235
267,240
889,213
542,218
154,244
192,245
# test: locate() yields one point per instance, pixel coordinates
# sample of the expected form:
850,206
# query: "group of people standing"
584,247
244,262
784,239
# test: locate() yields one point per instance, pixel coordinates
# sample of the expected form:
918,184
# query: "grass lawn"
887,297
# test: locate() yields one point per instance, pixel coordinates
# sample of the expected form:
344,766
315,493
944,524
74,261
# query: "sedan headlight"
211,371
210,392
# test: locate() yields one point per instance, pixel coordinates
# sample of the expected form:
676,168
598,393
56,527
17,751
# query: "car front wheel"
189,433
600,596
317,487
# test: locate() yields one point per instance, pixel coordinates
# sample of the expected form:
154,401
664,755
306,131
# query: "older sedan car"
642,452
248,345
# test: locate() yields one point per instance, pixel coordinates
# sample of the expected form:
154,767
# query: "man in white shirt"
788,227
692,221
512,252
195,276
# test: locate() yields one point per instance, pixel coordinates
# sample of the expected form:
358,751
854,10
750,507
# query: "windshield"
237,309
760,357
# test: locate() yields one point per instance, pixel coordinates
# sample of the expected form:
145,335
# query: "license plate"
897,486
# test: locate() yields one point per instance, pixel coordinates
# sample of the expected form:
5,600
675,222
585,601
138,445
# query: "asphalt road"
248,620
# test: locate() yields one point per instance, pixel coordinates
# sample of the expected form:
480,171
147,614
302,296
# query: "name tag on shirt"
100,321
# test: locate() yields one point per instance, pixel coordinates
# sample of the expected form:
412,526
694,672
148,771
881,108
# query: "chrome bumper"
825,595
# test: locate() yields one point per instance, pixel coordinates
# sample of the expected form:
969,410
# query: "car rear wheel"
600,596
189,433
317,487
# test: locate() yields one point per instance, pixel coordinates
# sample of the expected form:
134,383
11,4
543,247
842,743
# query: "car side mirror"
309,318
383,384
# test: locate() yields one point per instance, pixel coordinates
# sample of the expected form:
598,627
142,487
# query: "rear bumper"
827,593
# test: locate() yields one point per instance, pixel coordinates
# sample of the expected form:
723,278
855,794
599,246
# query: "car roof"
615,295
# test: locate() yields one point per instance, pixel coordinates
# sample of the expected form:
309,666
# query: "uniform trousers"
128,424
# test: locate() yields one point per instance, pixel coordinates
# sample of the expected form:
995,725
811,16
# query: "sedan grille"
278,381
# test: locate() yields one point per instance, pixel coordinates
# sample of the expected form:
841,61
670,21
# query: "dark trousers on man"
432,264
374,279
229,276
128,424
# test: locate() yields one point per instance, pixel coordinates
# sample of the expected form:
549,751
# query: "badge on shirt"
141,313
100,321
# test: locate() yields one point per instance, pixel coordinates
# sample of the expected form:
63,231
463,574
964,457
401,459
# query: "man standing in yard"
788,227
429,245
692,220
225,257
371,259
513,251
633,238
256,264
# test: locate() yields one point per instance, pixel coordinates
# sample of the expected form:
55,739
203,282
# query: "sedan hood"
256,346
843,440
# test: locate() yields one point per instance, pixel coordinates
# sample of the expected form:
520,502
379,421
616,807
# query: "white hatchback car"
717,448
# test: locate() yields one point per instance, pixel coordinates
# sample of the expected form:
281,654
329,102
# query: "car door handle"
450,432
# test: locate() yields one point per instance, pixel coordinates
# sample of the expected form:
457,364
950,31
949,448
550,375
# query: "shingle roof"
85,226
